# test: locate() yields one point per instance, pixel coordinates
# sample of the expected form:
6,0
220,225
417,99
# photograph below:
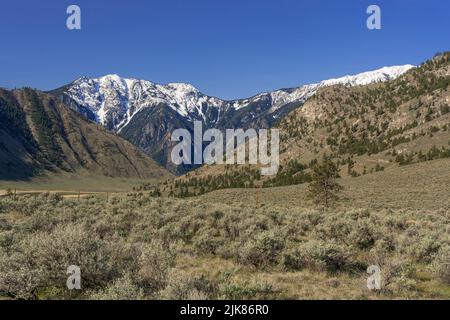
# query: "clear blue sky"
227,48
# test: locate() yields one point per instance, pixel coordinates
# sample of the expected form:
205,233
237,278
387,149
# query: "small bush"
397,273
246,290
263,251
293,260
363,236
155,262
184,286
441,265
121,289
42,260
398,276
19,277
71,245
326,256
426,249
231,288
205,242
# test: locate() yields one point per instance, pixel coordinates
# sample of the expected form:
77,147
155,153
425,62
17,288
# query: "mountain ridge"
181,94
122,104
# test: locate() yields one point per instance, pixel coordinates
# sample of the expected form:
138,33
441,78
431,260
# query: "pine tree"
324,189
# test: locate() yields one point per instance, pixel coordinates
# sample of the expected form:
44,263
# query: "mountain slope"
373,119
39,133
364,129
146,113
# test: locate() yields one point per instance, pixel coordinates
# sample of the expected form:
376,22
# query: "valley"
87,184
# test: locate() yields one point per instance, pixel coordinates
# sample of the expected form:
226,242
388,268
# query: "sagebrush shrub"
120,289
426,249
155,262
263,251
293,260
127,247
72,245
206,241
441,265
256,289
326,256
363,235
20,278
185,286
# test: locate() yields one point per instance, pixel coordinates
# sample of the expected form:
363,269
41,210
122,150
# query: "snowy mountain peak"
114,100
182,87
113,77
365,78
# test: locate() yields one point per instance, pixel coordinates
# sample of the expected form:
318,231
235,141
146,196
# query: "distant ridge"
145,113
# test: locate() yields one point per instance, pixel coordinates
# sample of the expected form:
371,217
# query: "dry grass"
66,182
422,186
228,246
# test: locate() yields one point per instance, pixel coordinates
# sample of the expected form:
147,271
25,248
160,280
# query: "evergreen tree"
324,188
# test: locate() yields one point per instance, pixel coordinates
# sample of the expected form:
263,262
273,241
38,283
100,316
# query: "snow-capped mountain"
282,97
114,101
146,113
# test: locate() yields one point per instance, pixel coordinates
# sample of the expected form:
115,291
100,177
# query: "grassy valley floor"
68,183
235,244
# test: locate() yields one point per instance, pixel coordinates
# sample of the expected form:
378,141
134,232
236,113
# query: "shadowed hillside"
39,134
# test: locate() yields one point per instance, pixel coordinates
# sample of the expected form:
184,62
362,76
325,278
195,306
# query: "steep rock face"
146,113
39,133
